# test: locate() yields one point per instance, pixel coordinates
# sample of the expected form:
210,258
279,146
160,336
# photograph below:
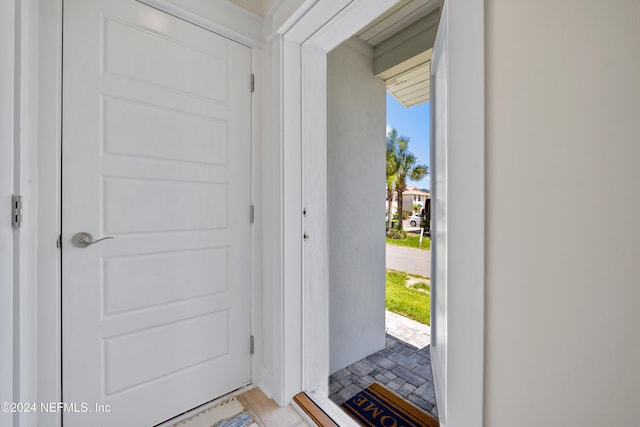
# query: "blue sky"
412,122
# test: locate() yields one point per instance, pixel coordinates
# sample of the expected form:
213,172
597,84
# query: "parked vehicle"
415,219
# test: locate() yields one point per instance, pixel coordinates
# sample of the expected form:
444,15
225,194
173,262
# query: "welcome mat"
376,406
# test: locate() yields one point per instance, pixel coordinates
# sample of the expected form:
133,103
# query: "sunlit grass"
408,301
412,241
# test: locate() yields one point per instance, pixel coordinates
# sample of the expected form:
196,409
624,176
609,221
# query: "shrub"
394,233
426,225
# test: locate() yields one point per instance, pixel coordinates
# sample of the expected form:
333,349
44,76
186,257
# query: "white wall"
356,157
563,277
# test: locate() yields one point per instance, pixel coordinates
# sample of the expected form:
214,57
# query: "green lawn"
408,301
412,241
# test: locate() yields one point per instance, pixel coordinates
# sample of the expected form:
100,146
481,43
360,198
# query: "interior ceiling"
257,7
408,82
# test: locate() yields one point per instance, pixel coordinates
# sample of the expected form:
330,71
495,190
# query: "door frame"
305,46
9,38
47,385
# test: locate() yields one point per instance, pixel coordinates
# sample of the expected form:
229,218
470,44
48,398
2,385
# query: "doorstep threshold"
322,411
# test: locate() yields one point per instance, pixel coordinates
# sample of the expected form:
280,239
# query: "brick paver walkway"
401,367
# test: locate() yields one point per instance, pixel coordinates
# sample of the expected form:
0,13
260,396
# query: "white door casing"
156,153
320,29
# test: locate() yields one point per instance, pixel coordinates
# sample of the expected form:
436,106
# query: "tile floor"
400,366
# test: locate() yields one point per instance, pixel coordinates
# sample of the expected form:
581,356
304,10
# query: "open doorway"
458,375
389,56
408,258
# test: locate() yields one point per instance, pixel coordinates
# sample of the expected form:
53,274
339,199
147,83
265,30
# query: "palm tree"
392,166
406,166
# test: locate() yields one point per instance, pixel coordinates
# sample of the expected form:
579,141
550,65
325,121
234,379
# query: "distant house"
411,197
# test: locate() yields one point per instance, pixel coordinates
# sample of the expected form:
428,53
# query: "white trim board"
305,291
48,195
7,111
283,15
221,17
308,40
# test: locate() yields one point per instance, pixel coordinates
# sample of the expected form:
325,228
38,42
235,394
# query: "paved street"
409,260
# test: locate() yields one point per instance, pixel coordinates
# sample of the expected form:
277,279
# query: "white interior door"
156,153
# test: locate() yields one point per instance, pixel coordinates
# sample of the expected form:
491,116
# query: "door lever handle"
82,240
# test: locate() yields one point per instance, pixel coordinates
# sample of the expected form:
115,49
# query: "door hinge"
59,242
251,214
251,344
16,211
253,82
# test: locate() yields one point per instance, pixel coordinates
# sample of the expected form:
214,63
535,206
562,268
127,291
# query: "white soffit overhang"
410,81
403,39
397,18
